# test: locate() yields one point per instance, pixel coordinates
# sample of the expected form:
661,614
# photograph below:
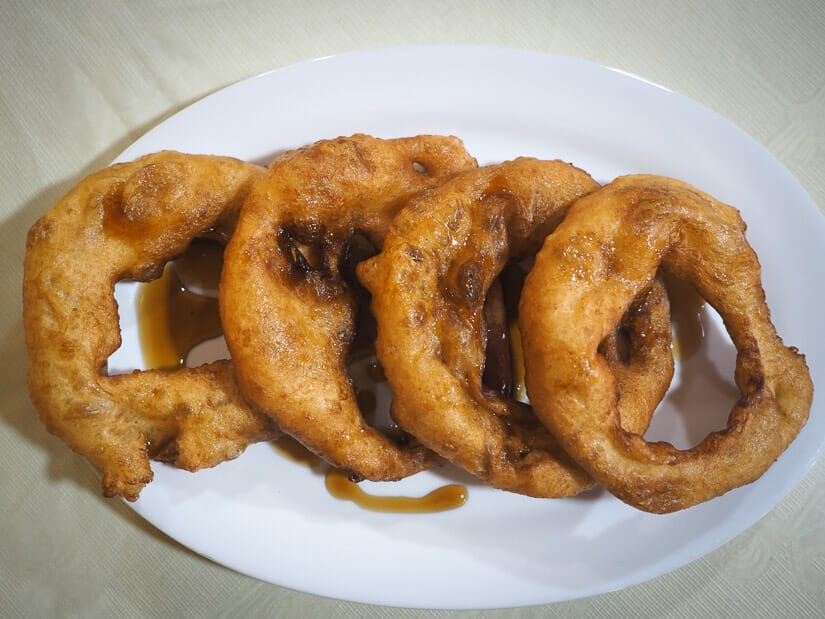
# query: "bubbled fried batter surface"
288,312
623,234
125,222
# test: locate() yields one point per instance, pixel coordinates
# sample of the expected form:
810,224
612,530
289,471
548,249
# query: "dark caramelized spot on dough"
298,264
465,284
304,245
312,259
513,456
623,339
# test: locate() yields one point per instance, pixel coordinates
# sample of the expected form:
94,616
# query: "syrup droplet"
439,500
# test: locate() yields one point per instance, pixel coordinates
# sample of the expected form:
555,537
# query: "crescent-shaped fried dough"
429,285
125,222
607,250
287,311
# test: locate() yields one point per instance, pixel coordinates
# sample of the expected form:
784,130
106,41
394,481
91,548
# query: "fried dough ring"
125,222
605,252
287,312
429,284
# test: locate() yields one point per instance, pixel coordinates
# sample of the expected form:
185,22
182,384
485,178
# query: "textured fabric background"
79,81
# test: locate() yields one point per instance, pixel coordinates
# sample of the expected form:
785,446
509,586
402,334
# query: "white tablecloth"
79,81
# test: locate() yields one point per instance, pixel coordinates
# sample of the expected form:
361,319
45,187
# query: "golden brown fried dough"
429,285
608,250
125,222
287,310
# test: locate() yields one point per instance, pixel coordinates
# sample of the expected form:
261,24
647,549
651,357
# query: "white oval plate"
271,518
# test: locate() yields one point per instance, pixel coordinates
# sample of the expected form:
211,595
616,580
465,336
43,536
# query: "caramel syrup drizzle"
439,500
339,485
